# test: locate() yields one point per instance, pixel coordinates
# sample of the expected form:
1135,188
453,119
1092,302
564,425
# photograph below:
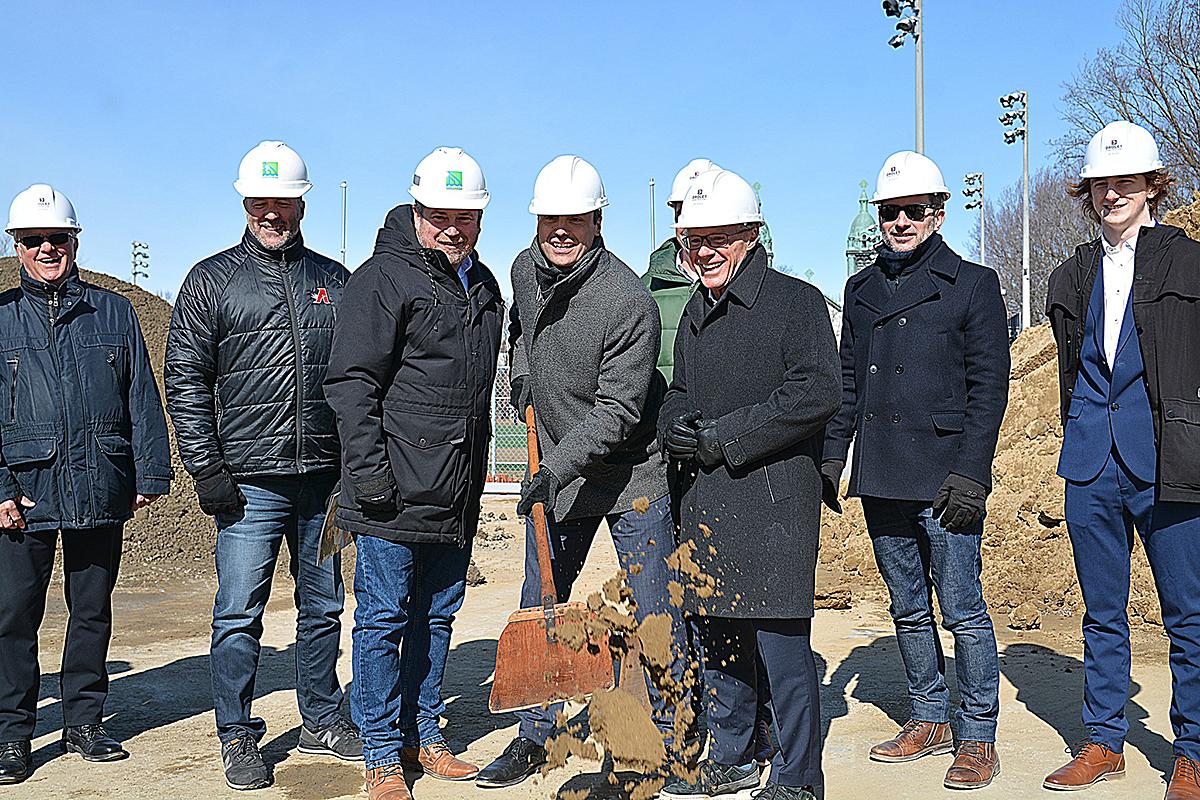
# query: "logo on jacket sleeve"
320,296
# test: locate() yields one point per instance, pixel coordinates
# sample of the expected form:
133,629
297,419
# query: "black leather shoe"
93,743
15,764
519,760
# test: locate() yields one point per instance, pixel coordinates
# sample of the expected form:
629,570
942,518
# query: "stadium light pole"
345,188
141,261
973,188
1016,120
653,240
911,25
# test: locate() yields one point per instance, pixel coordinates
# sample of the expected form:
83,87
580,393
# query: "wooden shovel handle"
540,533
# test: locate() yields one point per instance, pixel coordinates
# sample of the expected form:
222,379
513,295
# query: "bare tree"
1151,78
1056,225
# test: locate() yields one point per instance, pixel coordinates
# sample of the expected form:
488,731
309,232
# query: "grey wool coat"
762,362
588,348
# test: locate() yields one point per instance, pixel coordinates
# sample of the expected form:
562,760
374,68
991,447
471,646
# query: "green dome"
863,227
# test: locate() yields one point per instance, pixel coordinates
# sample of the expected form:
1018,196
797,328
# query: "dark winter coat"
670,291
83,430
410,378
762,362
1166,315
246,355
924,376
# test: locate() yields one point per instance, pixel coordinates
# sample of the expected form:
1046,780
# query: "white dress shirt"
1117,265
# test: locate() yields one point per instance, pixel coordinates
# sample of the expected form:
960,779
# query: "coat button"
895,417
1171,414
1115,406
902,321
1140,276
899,369
871,416
422,442
873,369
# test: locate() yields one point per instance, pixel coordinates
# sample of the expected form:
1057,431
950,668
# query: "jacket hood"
398,238
663,267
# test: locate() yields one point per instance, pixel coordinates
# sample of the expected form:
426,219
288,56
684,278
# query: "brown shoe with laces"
387,783
975,764
914,740
1185,780
1093,763
438,762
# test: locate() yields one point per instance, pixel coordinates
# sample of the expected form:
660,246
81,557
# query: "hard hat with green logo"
449,178
40,207
567,185
272,169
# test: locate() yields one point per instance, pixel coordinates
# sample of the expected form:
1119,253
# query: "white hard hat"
449,178
907,173
272,169
40,206
1120,148
567,185
718,197
685,176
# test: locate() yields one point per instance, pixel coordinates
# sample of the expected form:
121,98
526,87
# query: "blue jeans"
646,539
917,556
1101,517
407,597
288,508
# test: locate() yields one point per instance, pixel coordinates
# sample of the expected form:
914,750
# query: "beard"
273,240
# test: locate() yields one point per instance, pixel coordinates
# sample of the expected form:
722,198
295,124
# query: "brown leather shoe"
975,764
438,762
914,740
1092,764
1185,782
387,783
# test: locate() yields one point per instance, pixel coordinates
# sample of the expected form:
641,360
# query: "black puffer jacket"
82,425
411,381
246,357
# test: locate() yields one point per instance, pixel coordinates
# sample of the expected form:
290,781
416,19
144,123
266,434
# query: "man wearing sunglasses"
84,446
924,386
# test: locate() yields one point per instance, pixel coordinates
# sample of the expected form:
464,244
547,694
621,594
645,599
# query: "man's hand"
543,488
831,479
680,439
143,500
961,503
10,512
218,492
708,446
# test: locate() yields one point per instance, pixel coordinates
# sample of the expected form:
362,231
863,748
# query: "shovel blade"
531,670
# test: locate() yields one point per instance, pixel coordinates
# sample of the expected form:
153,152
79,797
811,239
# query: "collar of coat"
869,287
398,239
743,288
71,285
293,252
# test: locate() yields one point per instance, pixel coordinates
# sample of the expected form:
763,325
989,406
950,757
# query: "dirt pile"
1185,217
1027,562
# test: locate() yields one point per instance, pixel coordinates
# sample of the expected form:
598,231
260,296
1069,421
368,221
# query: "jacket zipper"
293,317
13,363
52,304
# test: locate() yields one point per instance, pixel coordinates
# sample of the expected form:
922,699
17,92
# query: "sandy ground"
160,702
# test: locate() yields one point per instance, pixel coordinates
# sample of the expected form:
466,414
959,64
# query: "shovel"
333,538
532,666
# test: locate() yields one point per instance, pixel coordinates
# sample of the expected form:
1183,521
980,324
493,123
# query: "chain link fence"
506,456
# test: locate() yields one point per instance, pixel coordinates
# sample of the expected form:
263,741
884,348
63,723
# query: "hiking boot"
244,767
339,739
712,779
1185,783
519,760
917,738
764,742
15,763
436,761
93,743
1093,763
773,791
387,783
975,764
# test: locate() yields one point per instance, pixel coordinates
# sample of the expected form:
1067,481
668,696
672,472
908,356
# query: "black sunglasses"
914,211
34,240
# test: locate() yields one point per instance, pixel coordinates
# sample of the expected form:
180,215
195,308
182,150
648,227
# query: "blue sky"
140,112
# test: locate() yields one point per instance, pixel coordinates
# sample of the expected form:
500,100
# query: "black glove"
680,440
708,446
516,396
218,492
831,480
961,503
377,496
542,489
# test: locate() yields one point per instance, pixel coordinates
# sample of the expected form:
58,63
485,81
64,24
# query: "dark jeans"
91,559
407,597
640,539
731,680
916,557
281,509
1101,517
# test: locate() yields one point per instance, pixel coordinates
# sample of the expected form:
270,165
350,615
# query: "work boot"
713,779
917,738
1185,783
244,767
764,741
436,761
387,783
975,764
93,743
773,791
1093,763
339,739
519,760
15,763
